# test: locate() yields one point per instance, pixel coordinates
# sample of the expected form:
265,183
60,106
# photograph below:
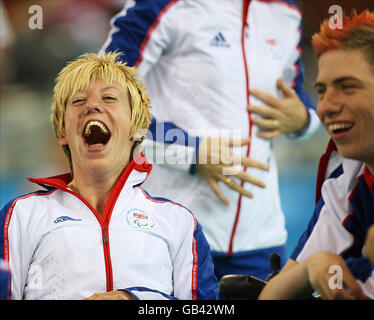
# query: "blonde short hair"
77,75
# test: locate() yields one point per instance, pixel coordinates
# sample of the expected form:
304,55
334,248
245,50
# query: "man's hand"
217,163
369,244
318,266
111,295
279,116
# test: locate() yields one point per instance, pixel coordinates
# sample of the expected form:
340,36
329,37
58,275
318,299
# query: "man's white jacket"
200,60
343,214
58,247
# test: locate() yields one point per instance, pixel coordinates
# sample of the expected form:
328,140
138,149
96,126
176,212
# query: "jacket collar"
134,174
369,179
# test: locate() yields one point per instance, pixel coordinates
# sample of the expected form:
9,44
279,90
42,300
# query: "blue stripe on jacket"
134,27
207,285
361,218
305,236
361,268
167,132
299,79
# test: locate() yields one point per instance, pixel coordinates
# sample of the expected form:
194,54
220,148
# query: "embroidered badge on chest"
273,46
139,219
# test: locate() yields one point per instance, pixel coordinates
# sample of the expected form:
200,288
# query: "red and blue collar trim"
139,163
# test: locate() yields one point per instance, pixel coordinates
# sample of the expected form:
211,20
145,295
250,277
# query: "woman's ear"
62,141
139,135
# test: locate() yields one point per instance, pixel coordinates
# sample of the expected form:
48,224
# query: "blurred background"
30,60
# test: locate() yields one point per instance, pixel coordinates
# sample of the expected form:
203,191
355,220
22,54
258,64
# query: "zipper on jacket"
245,27
103,220
108,261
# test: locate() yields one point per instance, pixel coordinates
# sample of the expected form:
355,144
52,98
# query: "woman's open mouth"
96,135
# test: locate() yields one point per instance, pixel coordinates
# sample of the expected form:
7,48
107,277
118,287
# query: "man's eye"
320,90
348,86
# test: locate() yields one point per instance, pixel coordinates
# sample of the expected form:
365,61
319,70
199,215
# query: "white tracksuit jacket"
200,59
58,247
344,212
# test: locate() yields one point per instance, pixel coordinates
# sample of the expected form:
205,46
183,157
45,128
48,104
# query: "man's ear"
62,141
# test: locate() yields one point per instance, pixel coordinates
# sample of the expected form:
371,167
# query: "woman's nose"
93,106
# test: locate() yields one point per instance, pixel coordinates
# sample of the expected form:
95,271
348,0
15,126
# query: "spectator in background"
345,209
214,68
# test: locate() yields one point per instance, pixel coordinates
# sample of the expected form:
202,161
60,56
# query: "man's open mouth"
96,132
340,127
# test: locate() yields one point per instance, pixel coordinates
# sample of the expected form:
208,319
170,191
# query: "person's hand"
111,295
279,116
215,163
320,279
369,244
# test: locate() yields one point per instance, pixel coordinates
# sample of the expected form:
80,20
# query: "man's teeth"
339,126
95,123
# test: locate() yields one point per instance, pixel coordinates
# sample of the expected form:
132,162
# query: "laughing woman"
95,233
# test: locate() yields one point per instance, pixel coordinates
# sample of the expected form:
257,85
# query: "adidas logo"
219,41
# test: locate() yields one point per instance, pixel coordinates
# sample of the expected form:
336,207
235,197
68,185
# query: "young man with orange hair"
331,256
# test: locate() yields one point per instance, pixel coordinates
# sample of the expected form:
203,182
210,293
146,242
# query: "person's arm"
290,283
210,157
325,272
142,31
313,122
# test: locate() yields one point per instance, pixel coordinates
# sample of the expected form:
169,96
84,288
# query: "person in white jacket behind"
94,233
225,78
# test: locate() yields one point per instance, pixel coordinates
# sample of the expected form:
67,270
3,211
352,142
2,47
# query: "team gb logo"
273,46
138,218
